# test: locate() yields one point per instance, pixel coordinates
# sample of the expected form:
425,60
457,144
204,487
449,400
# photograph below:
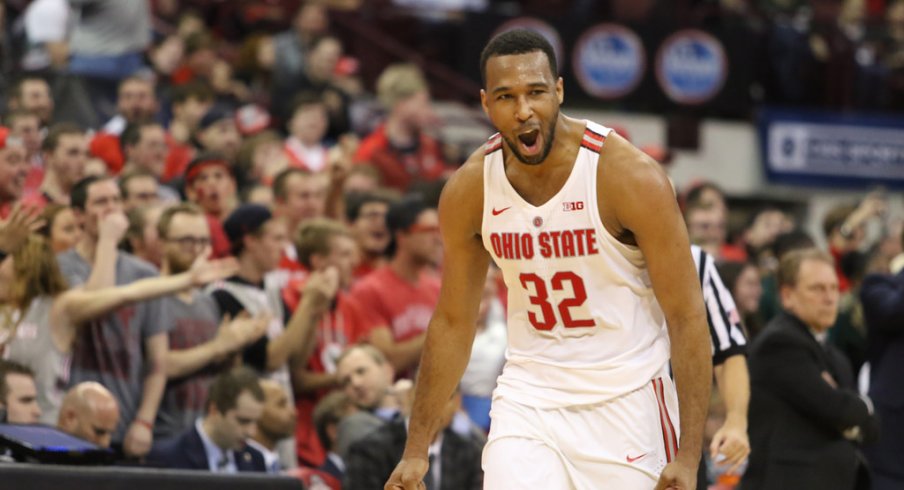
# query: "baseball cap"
245,220
214,115
201,162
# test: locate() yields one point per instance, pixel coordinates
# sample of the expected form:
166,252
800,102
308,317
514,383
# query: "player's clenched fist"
408,475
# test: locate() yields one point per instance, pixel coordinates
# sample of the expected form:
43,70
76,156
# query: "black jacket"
883,309
371,460
796,417
186,452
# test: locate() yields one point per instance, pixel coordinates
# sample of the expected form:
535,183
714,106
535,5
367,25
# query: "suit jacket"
329,467
186,452
796,417
882,297
371,460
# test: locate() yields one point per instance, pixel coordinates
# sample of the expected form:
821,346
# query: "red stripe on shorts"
669,438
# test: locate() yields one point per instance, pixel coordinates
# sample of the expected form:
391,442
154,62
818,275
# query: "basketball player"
602,289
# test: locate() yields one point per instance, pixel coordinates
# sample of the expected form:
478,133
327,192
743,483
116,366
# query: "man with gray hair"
806,418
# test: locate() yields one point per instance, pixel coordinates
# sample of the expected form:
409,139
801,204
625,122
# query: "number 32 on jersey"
548,312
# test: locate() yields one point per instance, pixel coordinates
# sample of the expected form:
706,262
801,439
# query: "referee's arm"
729,346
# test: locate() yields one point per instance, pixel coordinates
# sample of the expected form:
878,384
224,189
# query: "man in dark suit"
806,419
883,309
454,460
217,442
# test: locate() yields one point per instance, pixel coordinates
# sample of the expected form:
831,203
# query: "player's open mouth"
530,141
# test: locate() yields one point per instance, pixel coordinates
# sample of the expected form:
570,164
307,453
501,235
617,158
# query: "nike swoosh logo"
497,212
631,460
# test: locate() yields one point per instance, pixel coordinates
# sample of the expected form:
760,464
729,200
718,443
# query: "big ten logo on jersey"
572,206
547,244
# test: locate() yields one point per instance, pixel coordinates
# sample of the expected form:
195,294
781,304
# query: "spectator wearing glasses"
200,344
403,293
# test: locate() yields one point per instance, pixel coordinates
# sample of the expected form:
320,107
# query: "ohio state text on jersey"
583,323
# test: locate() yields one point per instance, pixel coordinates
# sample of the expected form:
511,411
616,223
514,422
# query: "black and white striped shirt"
725,329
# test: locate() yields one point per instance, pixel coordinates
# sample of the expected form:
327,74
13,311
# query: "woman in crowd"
41,316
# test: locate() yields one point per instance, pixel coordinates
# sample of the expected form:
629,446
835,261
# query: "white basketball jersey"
583,323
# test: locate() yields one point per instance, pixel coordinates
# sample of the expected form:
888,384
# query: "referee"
730,445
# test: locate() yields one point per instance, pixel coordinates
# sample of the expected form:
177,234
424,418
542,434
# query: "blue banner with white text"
819,149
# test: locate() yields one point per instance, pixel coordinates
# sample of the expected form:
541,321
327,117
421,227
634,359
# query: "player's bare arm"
453,325
637,205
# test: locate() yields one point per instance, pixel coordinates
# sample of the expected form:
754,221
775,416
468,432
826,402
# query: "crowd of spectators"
220,252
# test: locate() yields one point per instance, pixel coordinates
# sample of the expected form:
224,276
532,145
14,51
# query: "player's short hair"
517,41
227,387
789,266
7,368
56,132
314,236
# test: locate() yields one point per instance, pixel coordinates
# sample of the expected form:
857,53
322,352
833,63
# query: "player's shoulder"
623,167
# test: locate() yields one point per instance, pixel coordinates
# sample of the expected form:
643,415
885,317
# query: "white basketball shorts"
621,444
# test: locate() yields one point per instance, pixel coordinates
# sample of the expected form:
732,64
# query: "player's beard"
548,137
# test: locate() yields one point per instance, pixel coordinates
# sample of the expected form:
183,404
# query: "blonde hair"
36,271
398,82
313,237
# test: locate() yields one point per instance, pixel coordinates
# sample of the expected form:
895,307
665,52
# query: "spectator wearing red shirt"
209,183
400,148
13,170
366,214
321,244
135,101
65,155
402,295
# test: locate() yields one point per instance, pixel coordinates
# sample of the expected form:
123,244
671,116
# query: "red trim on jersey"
593,140
669,438
494,143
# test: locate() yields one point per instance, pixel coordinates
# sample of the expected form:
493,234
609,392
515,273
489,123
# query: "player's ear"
560,90
483,102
